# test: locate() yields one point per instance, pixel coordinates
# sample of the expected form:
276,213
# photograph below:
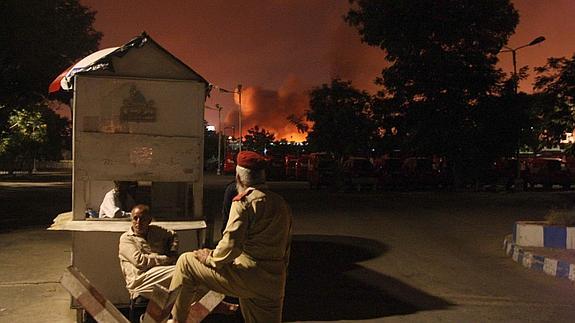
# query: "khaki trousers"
143,285
197,279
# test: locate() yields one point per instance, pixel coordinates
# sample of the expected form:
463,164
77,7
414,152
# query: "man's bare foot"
226,308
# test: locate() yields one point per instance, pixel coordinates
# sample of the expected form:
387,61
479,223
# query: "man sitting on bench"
147,254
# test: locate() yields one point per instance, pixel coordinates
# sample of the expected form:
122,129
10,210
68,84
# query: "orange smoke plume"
270,109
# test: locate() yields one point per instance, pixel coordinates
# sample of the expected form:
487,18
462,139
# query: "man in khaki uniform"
250,261
147,254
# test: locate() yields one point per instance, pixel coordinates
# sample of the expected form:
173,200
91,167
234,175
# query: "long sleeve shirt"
111,206
138,254
258,232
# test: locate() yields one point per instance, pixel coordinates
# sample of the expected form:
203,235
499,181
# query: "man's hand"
202,254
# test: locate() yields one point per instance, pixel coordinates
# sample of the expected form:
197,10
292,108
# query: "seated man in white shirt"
118,202
147,254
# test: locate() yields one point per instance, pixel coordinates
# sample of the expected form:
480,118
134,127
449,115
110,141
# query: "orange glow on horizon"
269,109
293,136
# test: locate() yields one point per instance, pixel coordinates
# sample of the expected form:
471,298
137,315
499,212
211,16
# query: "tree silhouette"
442,71
26,132
258,139
342,119
555,99
38,40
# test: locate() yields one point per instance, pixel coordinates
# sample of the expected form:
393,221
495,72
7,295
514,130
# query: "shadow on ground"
326,283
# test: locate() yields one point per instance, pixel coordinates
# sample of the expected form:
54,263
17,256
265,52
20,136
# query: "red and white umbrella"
64,80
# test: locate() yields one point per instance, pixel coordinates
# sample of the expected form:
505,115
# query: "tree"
389,124
342,119
58,134
258,139
555,99
34,133
38,40
442,56
298,122
27,131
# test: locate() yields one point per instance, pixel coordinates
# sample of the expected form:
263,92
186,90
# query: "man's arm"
129,250
172,246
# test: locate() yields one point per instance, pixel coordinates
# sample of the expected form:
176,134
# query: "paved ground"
32,262
391,256
33,200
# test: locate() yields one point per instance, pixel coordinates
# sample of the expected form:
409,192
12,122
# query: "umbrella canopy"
64,80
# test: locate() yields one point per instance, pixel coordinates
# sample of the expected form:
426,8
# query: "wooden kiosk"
138,115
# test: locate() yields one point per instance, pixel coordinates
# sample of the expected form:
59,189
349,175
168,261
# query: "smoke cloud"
348,59
351,60
269,109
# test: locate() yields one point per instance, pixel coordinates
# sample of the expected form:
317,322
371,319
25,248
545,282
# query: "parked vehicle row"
360,173
547,172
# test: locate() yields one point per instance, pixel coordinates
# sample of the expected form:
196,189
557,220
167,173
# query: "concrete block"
528,234
570,238
550,266
554,236
562,269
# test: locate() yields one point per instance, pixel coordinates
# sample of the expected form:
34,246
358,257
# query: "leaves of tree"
442,73
342,119
38,40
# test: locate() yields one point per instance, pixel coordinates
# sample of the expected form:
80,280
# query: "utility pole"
237,91
518,180
219,107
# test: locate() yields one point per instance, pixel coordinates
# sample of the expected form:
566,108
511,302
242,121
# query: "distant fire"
294,136
269,109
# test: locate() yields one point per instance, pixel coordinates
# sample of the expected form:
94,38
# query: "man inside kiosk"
118,202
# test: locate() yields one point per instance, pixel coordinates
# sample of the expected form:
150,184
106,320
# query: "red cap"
251,160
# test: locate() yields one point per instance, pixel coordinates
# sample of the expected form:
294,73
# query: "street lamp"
518,180
228,139
513,51
219,108
238,91
233,131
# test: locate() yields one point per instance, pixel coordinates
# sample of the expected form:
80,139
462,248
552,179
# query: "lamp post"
518,180
233,130
238,91
228,139
513,52
219,108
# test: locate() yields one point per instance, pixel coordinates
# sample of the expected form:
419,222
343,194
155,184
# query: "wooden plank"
91,300
204,306
160,305
123,226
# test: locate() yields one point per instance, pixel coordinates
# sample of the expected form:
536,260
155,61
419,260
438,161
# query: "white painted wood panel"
101,156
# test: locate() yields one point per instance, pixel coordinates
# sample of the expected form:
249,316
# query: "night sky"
279,49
